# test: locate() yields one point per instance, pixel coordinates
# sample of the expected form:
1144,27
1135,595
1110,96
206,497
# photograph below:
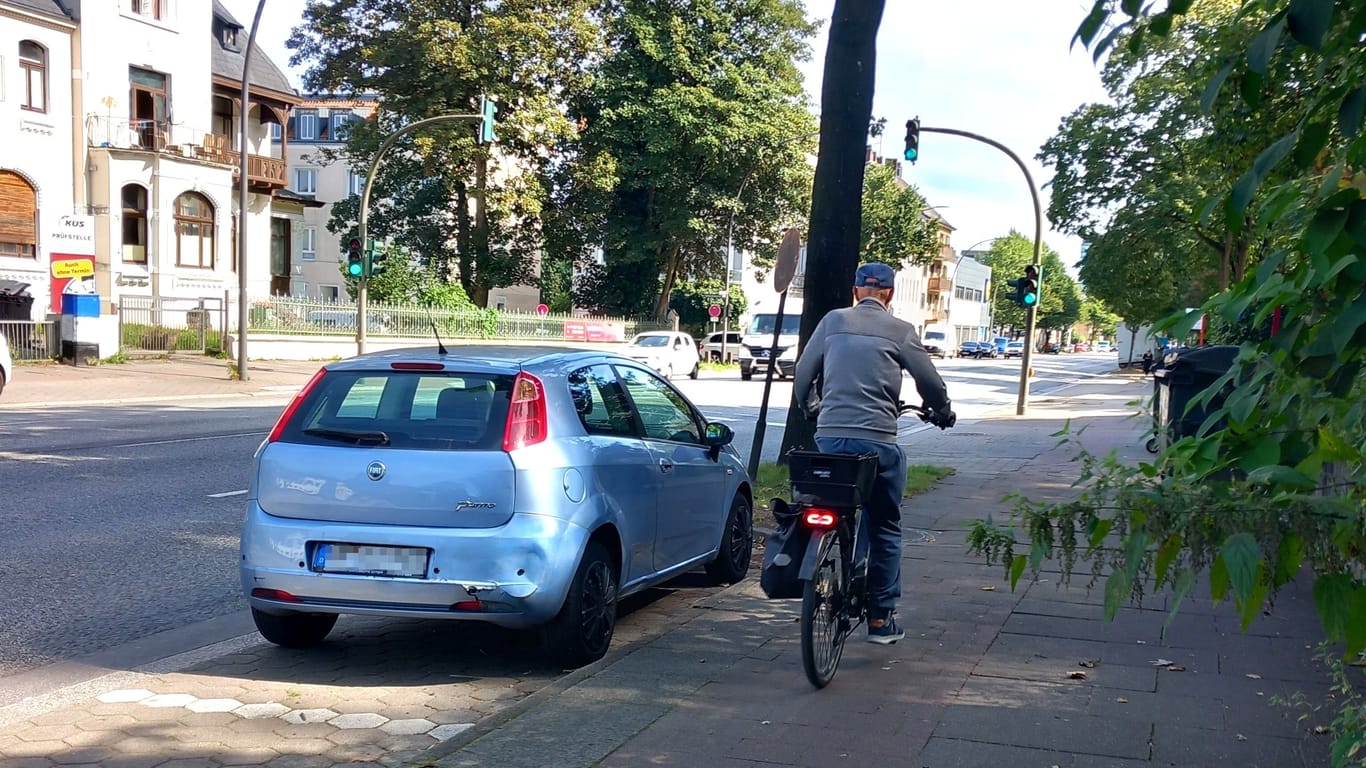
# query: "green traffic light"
353,269
911,154
1029,299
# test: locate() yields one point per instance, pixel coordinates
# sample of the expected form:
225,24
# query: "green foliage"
404,282
1060,302
1272,483
693,298
694,127
895,230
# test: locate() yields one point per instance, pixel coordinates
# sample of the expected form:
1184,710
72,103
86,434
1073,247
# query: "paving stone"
49,733
1176,745
124,696
301,716
358,720
408,727
444,732
261,711
104,722
97,754
1067,732
168,700
28,762
213,705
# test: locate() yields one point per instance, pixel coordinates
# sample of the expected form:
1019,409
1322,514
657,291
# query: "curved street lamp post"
243,311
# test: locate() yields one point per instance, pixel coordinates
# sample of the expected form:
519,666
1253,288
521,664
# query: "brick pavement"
984,676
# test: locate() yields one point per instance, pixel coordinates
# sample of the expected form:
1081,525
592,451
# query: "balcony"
263,173
935,285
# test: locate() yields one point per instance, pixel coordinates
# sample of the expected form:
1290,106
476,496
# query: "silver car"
526,487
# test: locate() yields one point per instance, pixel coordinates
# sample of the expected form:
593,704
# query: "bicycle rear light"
819,518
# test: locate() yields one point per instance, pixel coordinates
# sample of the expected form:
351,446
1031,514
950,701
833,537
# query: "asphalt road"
121,523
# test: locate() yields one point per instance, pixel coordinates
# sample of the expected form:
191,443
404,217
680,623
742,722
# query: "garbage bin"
1184,374
15,301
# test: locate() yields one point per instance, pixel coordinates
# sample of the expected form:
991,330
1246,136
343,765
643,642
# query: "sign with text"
585,330
72,249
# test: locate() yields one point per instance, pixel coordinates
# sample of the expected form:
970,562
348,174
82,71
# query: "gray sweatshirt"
859,353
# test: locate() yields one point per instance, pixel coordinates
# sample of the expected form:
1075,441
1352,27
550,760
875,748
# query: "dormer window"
230,38
152,9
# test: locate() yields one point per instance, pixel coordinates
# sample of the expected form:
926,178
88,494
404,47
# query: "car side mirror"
717,436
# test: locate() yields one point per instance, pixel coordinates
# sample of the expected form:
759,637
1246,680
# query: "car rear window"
424,410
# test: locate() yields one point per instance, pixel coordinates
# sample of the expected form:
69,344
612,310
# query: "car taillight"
293,406
527,420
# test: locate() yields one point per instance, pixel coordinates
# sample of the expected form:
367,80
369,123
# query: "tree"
403,281
695,118
1272,481
692,300
895,229
424,58
1008,257
832,249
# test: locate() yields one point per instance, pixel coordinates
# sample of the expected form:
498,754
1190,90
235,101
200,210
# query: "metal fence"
30,340
164,324
292,316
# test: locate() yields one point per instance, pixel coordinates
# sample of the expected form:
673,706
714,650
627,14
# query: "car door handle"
666,466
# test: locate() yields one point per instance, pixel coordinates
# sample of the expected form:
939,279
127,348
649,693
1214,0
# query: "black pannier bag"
783,553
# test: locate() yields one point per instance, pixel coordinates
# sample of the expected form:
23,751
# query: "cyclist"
858,355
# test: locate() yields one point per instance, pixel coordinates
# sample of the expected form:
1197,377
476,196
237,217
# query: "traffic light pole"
1031,312
363,287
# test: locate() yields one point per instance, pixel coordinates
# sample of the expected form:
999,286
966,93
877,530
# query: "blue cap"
875,275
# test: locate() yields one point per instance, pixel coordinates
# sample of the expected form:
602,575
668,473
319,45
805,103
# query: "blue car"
524,487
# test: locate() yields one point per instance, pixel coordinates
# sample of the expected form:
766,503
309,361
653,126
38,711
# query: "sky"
1000,68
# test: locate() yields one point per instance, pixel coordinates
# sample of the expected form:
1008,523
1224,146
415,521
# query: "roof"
357,101
47,7
932,213
289,195
228,63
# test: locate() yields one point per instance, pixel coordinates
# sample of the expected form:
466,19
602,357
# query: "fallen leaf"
1161,662
988,589
1321,729
1088,663
1252,676
765,722
1241,737
1122,700
886,669
1176,668
1142,642
1076,675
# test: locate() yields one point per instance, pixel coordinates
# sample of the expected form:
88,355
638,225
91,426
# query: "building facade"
148,95
970,305
38,154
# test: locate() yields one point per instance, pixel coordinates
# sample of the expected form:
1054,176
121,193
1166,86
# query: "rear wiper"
354,436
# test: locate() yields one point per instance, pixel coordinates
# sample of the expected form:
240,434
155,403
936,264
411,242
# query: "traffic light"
374,258
1026,288
487,110
912,140
355,263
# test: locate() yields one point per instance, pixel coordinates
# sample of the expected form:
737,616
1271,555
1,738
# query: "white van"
938,341
758,338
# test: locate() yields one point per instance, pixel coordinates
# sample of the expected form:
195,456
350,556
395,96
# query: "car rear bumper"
518,573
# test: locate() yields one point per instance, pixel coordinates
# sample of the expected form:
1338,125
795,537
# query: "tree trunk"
832,250
464,250
481,234
667,287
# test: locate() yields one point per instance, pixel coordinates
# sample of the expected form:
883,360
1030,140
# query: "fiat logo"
375,471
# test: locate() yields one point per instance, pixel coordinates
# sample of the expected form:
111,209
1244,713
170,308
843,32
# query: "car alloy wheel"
582,631
737,544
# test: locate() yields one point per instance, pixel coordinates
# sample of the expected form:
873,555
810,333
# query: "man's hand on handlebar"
942,418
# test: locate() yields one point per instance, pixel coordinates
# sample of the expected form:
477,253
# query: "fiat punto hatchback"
526,487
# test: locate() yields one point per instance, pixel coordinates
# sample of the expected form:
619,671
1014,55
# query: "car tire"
737,544
696,370
293,630
582,631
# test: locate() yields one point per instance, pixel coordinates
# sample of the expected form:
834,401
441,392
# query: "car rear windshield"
423,410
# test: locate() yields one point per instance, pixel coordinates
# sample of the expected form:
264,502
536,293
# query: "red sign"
583,330
542,310
714,310
66,268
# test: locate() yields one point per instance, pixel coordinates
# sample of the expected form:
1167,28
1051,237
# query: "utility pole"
243,197
1031,313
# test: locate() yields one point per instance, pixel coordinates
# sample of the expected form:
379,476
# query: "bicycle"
828,491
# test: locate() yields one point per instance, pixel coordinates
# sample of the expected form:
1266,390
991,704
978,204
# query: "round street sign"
542,309
714,310
786,267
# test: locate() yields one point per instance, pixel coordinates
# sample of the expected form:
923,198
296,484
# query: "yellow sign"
73,268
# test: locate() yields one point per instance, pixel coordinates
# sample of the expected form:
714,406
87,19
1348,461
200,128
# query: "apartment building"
141,109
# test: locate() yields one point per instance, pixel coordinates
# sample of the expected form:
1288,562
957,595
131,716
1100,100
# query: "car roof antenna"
440,348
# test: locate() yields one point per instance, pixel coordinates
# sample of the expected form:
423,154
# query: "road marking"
226,494
185,440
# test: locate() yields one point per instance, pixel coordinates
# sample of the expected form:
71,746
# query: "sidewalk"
149,381
985,676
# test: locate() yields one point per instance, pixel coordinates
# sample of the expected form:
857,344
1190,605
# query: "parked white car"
668,352
6,363
711,348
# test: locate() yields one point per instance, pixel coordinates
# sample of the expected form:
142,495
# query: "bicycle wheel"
824,601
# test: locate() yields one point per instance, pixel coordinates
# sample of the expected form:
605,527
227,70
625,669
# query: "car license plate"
371,560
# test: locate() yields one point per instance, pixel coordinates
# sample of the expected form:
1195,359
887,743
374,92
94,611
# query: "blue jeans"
880,524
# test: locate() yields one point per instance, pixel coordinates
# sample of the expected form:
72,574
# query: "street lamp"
243,311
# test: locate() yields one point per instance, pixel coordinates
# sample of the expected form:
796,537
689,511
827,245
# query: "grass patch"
709,365
773,481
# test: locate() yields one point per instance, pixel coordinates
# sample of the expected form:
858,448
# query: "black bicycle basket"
836,479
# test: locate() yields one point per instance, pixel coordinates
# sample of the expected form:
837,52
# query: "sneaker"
888,633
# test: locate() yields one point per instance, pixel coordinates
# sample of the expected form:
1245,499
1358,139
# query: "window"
33,62
340,130
664,413
152,9
18,217
306,181
329,292
194,230
149,106
308,250
355,183
134,224
600,402
276,133
308,125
